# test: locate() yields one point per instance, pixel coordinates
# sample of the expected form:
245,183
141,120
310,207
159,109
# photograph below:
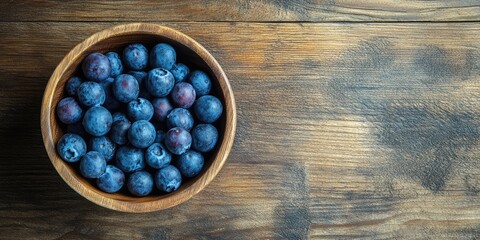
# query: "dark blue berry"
135,57
107,81
180,117
178,140
115,63
163,55
159,82
140,183
208,109
183,95
204,137
161,108
190,163
91,94
112,180
141,134
72,85
96,67
139,75
119,116
141,78
69,111
168,179
200,82
71,147
104,146
92,165
97,121
140,109
125,88
129,159
111,103
157,156
180,72
119,132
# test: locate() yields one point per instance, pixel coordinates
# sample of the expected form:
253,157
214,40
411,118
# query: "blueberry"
208,109
168,179
141,78
140,183
96,67
178,140
160,137
135,57
129,159
91,94
107,81
68,111
183,95
161,108
119,116
72,85
115,63
139,75
141,134
140,109
97,121
111,103
112,180
180,117
204,137
180,72
104,146
163,55
190,163
71,147
119,132
159,82
200,82
77,128
157,156
125,88
92,165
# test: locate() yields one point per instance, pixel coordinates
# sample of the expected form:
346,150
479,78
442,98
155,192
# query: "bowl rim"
177,197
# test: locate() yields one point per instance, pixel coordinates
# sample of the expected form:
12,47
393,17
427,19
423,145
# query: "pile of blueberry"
147,126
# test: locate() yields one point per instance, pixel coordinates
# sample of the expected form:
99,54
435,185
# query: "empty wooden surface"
345,130
241,10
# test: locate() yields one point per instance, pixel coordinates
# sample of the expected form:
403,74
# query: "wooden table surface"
356,119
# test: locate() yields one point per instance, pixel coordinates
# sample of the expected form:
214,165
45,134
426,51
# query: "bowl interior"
195,59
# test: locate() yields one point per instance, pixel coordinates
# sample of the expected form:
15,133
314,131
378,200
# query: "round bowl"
114,39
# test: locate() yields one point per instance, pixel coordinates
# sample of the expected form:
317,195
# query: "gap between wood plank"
259,22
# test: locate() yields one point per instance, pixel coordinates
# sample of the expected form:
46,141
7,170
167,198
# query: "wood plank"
344,130
244,10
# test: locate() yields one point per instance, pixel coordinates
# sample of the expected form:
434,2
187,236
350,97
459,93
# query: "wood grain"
344,131
241,10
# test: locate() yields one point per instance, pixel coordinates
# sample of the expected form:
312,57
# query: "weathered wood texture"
241,10
344,130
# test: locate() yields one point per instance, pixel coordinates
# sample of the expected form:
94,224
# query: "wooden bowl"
114,39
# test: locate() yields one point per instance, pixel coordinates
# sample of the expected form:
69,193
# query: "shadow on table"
27,177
